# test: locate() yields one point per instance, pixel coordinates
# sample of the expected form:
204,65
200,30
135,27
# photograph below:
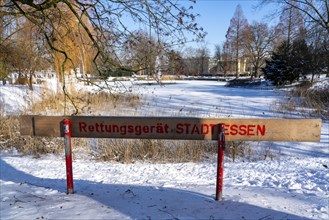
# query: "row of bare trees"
20,50
249,45
26,48
305,20
100,37
106,37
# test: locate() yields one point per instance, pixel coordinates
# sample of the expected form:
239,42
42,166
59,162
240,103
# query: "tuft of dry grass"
128,150
11,139
239,149
314,102
86,102
119,150
8,131
171,77
316,99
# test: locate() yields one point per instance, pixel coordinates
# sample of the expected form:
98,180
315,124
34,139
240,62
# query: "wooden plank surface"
251,129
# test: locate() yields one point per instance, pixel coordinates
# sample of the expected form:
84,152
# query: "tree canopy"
102,26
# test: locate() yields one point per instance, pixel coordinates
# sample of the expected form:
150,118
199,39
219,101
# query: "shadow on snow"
141,202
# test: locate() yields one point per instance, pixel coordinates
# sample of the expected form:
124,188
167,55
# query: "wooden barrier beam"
180,128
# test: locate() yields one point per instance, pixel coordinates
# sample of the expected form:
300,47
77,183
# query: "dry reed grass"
307,101
86,102
119,150
128,151
11,139
315,99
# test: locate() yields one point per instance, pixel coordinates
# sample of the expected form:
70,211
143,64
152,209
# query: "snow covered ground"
294,185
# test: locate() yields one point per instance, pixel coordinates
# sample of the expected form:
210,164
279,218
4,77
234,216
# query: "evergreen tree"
288,63
300,59
277,67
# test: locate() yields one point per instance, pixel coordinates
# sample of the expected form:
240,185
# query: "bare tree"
175,63
235,35
3,69
5,46
314,11
103,25
259,38
313,16
196,60
290,26
21,50
218,57
318,40
141,52
71,38
202,59
27,55
190,61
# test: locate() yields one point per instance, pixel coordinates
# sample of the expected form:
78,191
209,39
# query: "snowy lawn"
295,185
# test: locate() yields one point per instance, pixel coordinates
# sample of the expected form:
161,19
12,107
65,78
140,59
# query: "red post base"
68,156
220,163
69,175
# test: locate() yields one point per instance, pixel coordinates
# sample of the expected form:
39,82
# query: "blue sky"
215,16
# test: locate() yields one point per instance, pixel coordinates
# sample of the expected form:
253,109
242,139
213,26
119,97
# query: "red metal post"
68,156
220,162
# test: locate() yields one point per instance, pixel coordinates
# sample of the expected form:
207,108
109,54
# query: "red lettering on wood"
212,128
251,131
233,130
123,130
187,128
82,126
108,128
204,129
115,128
243,130
138,130
91,128
227,129
179,128
195,129
97,127
166,128
146,129
261,129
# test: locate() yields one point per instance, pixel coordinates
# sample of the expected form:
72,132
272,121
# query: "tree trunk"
30,82
312,79
256,71
84,66
237,66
